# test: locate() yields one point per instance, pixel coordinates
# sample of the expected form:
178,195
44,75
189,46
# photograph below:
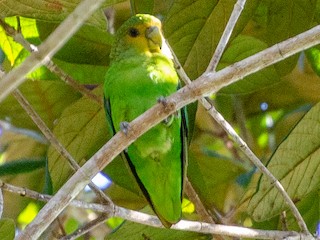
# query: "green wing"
107,108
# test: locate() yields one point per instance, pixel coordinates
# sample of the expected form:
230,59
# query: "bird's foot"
163,101
166,104
167,121
124,127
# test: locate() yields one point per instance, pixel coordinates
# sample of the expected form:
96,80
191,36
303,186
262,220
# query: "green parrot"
140,74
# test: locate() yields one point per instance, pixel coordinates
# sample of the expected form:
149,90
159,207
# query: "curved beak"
153,34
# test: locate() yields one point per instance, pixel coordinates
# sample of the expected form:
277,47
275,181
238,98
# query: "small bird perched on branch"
140,74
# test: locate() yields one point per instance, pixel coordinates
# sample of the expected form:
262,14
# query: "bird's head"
139,34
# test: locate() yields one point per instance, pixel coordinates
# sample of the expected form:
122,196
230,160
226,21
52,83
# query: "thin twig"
50,46
25,192
6,126
18,37
73,83
87,227
201,210
238,7
153,221
54,141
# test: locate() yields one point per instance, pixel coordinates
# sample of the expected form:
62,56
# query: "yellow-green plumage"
139,74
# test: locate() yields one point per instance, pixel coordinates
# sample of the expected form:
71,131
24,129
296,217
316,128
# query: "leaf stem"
238,7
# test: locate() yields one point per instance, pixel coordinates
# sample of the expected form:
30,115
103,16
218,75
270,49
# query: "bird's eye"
133,32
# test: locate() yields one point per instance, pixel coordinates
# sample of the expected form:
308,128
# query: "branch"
200,208
206,84
238,7
49,47
150,220
87,227
25,192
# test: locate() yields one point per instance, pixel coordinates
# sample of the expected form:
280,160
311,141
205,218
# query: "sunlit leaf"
28,214
8,45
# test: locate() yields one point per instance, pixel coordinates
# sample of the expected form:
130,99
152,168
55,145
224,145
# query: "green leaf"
194,28
317,13
142,6
126,193
242,47
212,175
21,166
89,45
283,19
82,130
295,164
288,18
7,229
83,73
19,147
48,98
41,73
134,231
16,54
309,208
296,89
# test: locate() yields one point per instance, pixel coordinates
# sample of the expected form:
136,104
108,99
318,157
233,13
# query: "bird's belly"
155,143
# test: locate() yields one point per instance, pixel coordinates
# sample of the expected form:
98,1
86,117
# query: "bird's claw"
168,120
162,100
124,127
